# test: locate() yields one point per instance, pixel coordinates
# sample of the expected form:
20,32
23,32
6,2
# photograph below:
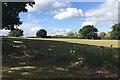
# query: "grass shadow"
57,59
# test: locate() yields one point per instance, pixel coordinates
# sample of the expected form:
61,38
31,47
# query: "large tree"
10,13
89,32
42,33
115,33
16,33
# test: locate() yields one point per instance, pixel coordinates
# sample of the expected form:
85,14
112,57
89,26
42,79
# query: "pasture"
59,58
105,43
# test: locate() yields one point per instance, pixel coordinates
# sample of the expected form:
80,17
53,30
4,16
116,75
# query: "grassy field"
105,43
59,58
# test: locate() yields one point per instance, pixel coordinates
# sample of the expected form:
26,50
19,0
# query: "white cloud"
108,11
34,29
104,15
30,29
59,4
59,31
68,13
46,4
87,23
39,4
4,32
32,19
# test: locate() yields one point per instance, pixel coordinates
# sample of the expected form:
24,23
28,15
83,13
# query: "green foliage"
115,33
70,34
42,33
10,13
80,36
108,35
102,35
16,33
89,32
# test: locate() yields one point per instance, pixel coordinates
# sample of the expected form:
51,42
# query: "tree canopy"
10,13
16,33
108,35
89,32
102,35
70,34
115,33
42,33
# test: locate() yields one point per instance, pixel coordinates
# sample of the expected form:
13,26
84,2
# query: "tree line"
86,32
90,32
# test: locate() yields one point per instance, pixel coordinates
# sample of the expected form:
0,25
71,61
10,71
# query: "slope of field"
59,58
106,43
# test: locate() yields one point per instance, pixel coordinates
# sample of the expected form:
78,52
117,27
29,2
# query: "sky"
61,17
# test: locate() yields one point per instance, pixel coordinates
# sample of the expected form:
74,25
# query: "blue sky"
48,21
58,18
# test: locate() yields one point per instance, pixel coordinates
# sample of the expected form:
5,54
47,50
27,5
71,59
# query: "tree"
42,33
16,33
89,32
108,35
10,14
70,34
102,35
115,33
80,36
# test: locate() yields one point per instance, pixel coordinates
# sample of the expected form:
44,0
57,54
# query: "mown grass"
105,43
59,58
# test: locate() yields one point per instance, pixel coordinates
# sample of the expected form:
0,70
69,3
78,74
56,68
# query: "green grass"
105,43
59,58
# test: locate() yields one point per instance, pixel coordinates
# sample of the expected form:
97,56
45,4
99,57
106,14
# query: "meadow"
59,58
105,43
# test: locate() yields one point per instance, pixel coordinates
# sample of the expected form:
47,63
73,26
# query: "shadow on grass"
57,59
